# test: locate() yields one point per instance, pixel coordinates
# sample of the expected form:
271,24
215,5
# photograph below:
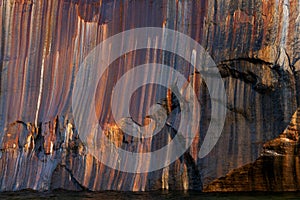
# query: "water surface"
67,195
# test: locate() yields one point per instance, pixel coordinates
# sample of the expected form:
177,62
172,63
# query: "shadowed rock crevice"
255,71
69,181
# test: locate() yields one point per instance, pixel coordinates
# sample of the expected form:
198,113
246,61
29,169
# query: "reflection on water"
146,195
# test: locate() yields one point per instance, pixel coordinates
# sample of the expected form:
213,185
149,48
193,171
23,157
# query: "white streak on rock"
285,24
40,93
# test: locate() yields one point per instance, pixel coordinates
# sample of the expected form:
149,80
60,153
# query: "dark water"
145,195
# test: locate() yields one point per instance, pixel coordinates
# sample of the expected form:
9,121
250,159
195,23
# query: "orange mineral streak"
114,134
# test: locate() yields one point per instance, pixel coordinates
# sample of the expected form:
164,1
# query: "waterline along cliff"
255,45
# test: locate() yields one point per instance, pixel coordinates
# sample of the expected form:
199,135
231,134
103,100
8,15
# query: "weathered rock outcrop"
277,169
256,45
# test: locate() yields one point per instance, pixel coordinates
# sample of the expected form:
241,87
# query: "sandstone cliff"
256,45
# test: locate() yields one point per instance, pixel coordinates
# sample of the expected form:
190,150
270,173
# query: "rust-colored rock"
277,169
256,45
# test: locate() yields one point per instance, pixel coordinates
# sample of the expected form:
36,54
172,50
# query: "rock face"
277,169
255,44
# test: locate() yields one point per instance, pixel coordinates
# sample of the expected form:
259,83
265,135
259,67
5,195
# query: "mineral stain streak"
255,44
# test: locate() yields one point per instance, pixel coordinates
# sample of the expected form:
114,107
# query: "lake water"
145,195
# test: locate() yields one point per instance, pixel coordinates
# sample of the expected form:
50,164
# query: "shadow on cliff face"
102,12
277,168
91,10
297,77
97,11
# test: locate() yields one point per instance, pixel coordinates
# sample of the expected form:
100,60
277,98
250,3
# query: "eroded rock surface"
255,44
277,169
